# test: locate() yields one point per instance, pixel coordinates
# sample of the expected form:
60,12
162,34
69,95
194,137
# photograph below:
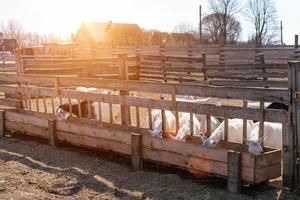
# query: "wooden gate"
291,135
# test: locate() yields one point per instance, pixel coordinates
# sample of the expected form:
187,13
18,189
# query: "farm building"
8,44
118,33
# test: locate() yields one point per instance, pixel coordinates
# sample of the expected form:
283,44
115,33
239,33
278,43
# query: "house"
8,44
116,33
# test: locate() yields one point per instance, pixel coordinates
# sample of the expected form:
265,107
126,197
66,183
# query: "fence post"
2,123
17,53
52,132
222,56
205,78
262,58
138,62
262,61
136,151
297,50
123,75
163,62
291,130
190,55
18,63
3,54
234,179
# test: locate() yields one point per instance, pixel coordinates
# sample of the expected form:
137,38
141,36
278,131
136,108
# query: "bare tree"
226,9
185,33
263,15
213,29
13,29
184,28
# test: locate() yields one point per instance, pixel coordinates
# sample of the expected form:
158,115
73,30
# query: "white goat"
272,137
235,132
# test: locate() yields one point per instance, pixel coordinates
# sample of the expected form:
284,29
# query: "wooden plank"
2,123
37,101
111,119
123,75
94,130
262,119
245,66
11,90
20,117
295,108
250,83
99,111
163,120
79,108
221,111
94,143
250,76
234,179
52,106
11,78
269,158
245,104
136,151
271,95
150,119
208,125
137,111
27,129
267,173
56,86
288,155
226,128
10,102
193,164
192,124
69,61
89,105
52,132
180,79
177,121
185,148
45,104
172,58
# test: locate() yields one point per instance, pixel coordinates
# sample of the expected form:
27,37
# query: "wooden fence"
162,68
40,94
35,94
215,54
115,136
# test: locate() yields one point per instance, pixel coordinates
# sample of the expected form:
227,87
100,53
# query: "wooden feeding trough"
229,160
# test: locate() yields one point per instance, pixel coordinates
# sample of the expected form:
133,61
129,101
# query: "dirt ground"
31,169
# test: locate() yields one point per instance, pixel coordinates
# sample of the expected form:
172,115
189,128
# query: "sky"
63,17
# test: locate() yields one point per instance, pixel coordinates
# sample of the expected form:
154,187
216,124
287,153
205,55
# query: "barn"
118,33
